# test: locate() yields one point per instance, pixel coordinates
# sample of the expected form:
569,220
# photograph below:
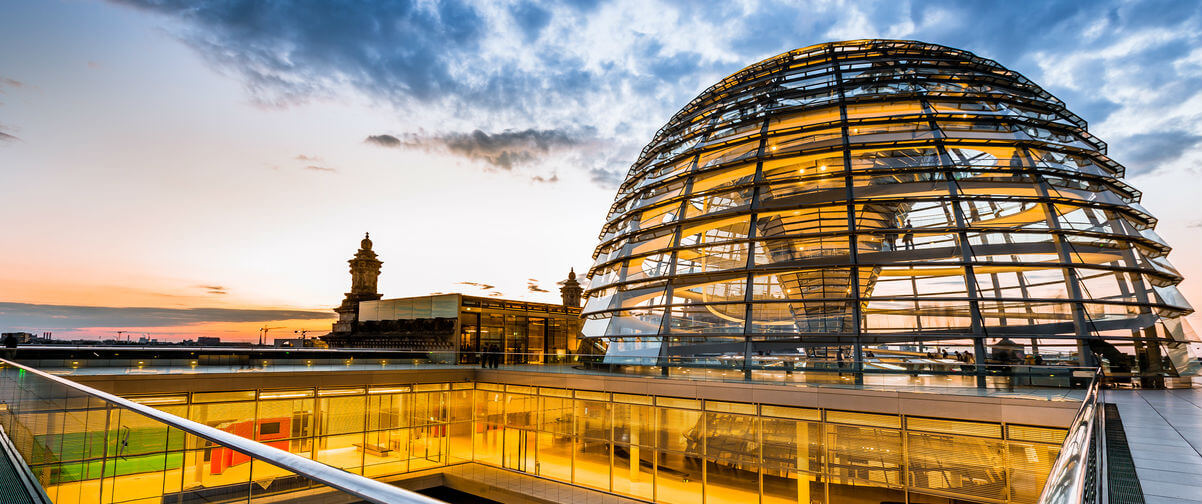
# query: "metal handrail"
359,486
1082,455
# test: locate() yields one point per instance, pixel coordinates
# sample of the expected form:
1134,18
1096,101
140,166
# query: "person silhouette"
908,236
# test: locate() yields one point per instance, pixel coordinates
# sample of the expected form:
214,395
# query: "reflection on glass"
657,448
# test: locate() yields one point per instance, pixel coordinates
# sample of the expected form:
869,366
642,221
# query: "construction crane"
263,333
119,333
302,334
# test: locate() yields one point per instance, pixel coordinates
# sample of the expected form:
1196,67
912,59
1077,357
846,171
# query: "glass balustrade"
665,449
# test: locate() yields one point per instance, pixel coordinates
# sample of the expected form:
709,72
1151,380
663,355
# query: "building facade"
456,327
881,192
365,272
461,327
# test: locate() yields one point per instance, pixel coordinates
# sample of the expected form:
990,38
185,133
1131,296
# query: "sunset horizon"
185,170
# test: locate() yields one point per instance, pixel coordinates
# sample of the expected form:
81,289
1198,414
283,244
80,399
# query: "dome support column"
853,256
1085,356
966,255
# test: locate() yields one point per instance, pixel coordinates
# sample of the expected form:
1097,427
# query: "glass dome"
879,192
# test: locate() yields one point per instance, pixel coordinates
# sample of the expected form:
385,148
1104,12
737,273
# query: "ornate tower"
365,270
571,290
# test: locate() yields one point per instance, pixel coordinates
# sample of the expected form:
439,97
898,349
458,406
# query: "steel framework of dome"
880,192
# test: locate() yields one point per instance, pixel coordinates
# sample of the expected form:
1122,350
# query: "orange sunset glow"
178,171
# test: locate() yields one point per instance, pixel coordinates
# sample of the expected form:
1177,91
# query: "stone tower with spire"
571,291
365,271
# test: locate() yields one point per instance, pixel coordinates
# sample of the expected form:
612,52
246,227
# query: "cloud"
288,53
507,150
620,68
503,150
5,137
213,289
1195,224
533,63
5,81
313,163
532,286
531,18
64,317
606,178
1147,152
482,286
383,140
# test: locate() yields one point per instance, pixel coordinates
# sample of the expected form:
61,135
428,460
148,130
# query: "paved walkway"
1164,431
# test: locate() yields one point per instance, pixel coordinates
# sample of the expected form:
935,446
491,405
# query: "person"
839,358
496,355
908,236
1038,360
959,358
10,346
943,352
890,243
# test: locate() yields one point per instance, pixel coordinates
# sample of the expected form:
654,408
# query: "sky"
183,169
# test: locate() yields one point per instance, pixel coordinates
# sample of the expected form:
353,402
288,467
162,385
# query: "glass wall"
662,449
524,332
884,192
85,449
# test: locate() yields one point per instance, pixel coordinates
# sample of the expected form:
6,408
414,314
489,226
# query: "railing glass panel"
1077,475
87,446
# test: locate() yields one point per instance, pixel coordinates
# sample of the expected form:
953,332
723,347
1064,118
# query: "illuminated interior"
654,448
882,193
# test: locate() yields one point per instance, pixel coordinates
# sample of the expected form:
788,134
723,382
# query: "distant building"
208,340
571,291
297,343
22,337
365,270
457,326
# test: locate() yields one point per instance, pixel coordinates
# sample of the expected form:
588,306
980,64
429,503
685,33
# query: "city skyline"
205,171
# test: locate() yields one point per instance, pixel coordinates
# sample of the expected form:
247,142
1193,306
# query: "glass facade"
527,333
655,448
881,192
458,328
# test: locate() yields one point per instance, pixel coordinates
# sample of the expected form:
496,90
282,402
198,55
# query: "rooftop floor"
1164,432
996,386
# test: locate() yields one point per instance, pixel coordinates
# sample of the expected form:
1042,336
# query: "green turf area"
76,456
76,471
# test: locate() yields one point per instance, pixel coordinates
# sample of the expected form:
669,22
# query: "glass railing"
84,445
645,446
1078,475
